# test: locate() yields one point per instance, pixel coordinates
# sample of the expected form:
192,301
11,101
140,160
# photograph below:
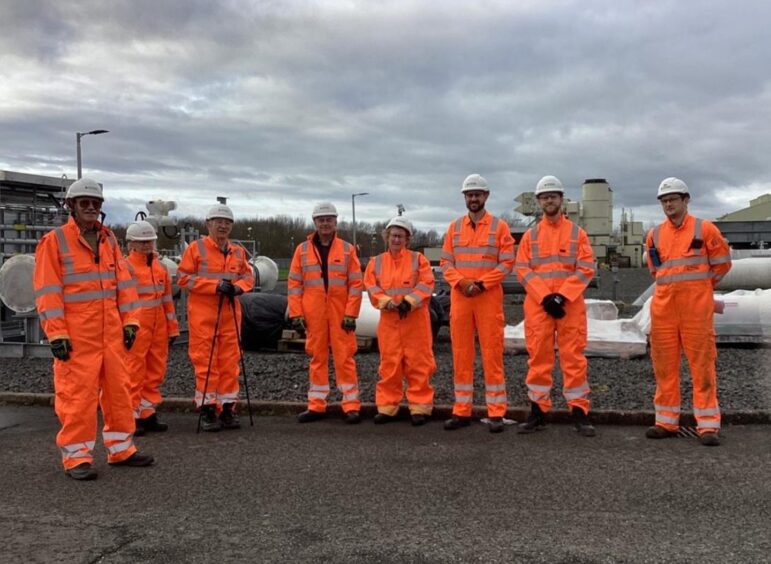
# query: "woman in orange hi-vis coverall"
147,359
214,271
86,302
687,257
477,254
555,264
324,294
400,283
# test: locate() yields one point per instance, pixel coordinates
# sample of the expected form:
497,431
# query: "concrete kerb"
286,408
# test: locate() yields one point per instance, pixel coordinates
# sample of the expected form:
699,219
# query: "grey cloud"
292,102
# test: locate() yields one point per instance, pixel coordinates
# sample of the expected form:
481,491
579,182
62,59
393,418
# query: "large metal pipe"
15,226
19,241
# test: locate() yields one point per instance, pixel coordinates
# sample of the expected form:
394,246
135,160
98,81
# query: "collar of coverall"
225,247
687,218
97,225
314,238
560,220
484,219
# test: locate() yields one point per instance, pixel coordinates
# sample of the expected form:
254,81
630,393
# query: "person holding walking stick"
212,270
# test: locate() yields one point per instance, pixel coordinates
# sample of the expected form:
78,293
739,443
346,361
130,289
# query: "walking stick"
211,357
243,367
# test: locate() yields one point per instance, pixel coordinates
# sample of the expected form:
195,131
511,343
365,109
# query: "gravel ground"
744,374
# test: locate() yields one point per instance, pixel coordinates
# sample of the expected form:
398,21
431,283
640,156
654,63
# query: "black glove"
479,284
553,304
129,336
171,340
298,324
404,308
61,348
348,324
226,287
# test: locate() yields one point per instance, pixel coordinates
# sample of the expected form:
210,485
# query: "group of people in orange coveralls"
110,320
554,262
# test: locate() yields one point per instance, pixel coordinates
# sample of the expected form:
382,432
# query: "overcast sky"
280,104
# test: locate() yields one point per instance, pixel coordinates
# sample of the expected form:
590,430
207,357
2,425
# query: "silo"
597,214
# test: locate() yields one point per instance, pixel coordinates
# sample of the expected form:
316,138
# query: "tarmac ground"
329,492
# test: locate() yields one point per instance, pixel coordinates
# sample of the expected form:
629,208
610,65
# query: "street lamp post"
78,135
353,210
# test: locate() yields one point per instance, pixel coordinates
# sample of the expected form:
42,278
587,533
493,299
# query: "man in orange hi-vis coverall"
147,359
555,264
86,301
214,271
687,256
477,254
400,283
324,292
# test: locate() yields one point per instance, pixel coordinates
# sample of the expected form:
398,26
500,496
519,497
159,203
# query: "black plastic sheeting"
264,318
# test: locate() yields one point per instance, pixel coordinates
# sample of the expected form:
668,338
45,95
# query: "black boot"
535,421
82,472
352,417
151,424
209,421
309,416
496,425
382,418
228,417
139,428
456,422
581,422
418,419
136,460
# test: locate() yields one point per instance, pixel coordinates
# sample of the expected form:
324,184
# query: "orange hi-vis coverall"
483,252
406,345
556,258
692,259
203,266
324,306
87,297
147,359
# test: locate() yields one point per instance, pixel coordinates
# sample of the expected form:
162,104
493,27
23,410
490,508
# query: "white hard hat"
84,187
475,182
400,221
141,231
220,211
549,184
672,185
323,209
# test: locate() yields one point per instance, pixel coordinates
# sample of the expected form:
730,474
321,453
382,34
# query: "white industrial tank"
16,288
747,274
265,273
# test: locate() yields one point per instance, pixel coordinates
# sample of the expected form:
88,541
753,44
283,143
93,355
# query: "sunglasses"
86,203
